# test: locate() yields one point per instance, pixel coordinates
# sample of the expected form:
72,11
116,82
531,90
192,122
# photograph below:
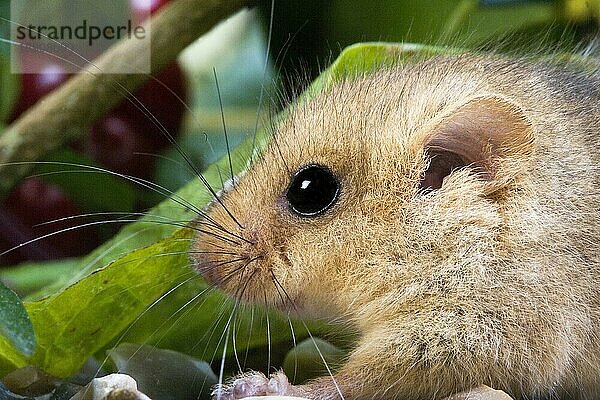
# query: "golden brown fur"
483,281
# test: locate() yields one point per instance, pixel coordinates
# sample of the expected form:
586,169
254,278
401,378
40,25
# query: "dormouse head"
374,183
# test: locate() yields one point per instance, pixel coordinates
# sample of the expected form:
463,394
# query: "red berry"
35,202
163,98
142,123
116,143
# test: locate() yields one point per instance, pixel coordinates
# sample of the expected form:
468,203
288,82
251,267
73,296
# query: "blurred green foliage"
315,31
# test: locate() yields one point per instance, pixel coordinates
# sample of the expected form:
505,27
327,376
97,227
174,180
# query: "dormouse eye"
313,190
441,164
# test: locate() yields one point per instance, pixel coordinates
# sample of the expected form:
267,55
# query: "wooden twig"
68,112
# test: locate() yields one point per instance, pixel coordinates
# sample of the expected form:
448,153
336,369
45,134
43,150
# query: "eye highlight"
313,190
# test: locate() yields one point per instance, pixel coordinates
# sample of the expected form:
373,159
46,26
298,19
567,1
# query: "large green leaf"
75,323
163,219
363,58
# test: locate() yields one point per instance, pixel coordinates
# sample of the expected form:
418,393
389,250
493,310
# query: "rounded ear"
488,133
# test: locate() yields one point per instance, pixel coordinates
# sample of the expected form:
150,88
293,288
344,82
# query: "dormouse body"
448,210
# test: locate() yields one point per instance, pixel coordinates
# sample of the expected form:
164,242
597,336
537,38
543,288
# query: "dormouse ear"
489,134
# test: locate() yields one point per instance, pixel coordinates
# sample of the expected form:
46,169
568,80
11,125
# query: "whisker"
232,273
176,312
222,366
105,213
262,83
100,256
57,233
224,127
212,252
234,343
216,236
283,302
138,181
239,297
235,236
230,262
268,341
165,220
114,221
249,336
209,334
215,246
155,302
161,157
228,328
295,345
325,364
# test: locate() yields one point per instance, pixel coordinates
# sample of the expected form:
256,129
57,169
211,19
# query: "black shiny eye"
313,190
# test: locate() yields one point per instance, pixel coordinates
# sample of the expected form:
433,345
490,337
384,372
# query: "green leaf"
15,324
181,207
363,58
75,323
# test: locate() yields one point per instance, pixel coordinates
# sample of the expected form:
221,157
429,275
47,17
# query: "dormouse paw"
245,385
279,385
255,384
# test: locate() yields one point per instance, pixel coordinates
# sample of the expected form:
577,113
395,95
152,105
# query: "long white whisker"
107,213
312,338
222,367
295,345
87,224
268,344
227,330
233,342
325,364
94,169
180,309
249,336
224,129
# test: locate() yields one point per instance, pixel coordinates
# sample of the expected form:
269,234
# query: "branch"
68,112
